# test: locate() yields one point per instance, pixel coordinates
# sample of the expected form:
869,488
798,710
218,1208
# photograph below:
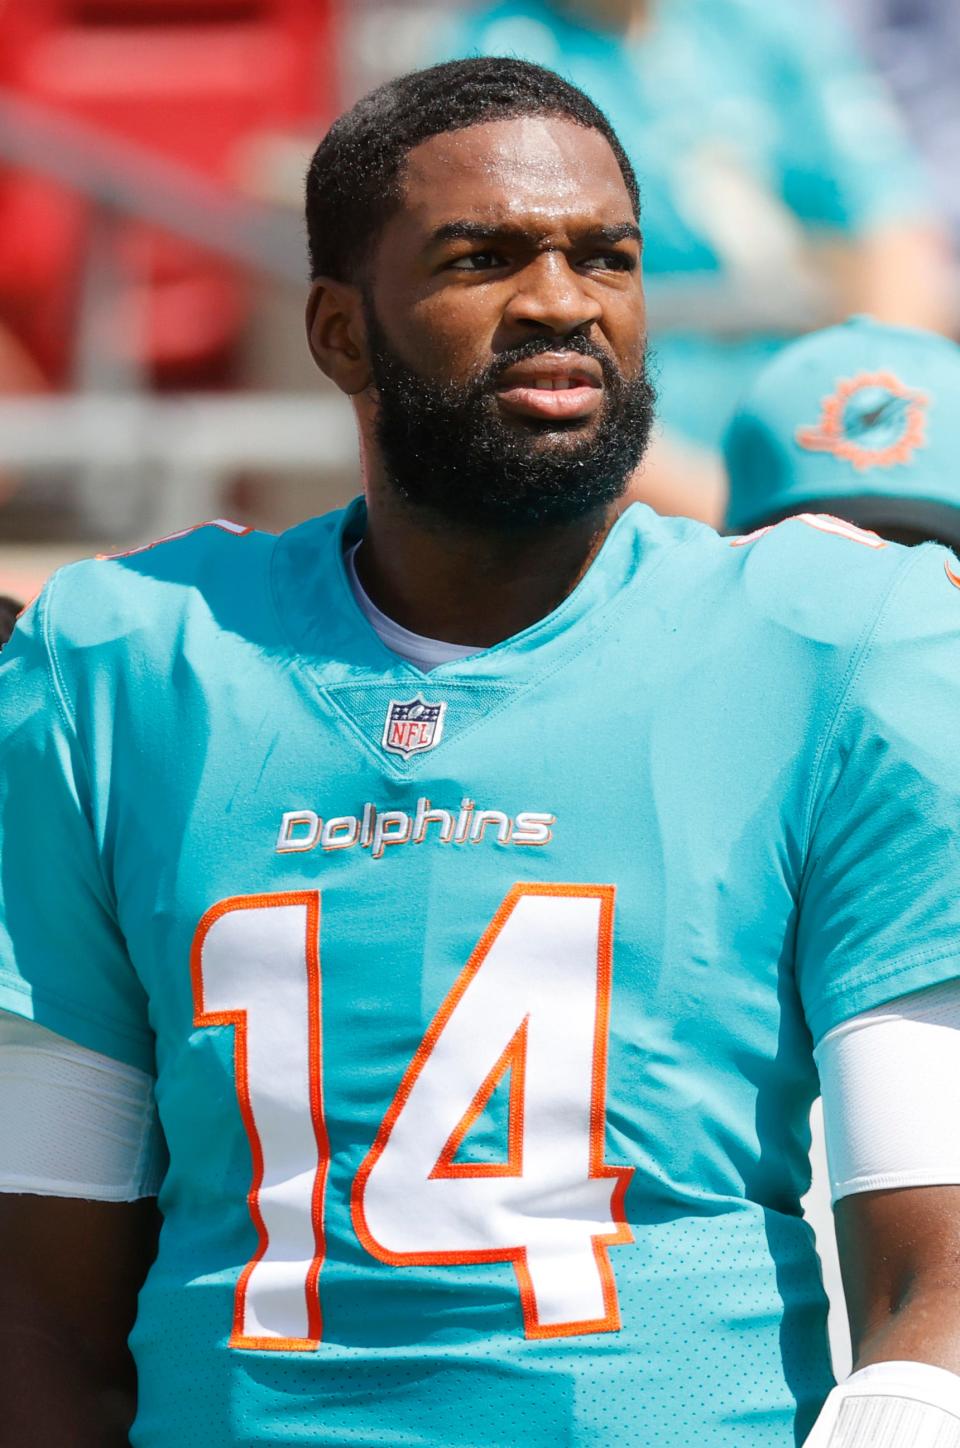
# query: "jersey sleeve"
879,912
63,959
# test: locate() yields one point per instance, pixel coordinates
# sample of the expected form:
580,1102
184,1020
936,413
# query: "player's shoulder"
147,591
132,611
840,585
815,575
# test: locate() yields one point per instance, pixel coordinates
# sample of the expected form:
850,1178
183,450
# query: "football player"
860,421
444,906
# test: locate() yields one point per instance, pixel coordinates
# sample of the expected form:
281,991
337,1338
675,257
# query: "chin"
558,436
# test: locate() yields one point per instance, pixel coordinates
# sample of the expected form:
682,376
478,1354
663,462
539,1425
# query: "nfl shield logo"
413,726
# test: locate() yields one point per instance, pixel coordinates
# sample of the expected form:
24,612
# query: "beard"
447,449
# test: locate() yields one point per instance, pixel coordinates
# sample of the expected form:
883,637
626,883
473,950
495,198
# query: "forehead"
544,171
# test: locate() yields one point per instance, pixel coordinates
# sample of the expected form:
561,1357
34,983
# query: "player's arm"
878,960
70,1271
77,1225
891,1084
900,1258
82,1158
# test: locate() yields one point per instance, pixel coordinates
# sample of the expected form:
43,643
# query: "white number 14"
532,1001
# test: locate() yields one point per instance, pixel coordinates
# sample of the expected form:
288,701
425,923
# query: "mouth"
560,387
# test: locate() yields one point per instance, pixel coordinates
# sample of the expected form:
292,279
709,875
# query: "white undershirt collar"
425,653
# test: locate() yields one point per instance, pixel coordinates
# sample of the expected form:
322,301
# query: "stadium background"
152,365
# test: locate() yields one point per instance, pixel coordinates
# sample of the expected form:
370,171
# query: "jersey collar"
326,627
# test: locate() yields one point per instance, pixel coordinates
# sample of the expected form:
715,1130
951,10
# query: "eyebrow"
493,231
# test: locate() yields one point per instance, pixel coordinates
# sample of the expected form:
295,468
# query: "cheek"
626,328
447,334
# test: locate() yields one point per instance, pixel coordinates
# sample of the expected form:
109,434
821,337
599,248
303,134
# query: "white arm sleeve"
891,1405
74,1123
890,1080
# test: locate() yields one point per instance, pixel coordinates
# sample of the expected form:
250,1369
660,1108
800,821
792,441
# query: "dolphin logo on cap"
871,421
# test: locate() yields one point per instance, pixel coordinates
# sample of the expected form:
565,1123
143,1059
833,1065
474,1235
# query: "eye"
476,261
611,261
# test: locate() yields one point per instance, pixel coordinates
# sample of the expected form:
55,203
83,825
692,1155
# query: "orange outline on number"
610,1322
514,1060
238,1019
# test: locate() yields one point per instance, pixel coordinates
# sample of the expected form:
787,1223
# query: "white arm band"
891,1405
890,1080
74,1123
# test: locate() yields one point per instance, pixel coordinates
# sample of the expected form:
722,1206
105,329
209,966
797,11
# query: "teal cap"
861,420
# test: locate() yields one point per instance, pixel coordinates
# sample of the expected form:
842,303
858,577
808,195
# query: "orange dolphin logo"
953,577
871,421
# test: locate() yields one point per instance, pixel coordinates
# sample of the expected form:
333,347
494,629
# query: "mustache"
487,380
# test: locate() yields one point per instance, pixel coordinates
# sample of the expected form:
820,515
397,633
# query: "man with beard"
473,871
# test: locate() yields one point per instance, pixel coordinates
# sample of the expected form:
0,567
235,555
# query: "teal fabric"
754,744
860,410
724,99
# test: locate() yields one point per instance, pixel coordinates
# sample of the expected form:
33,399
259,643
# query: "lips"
555,386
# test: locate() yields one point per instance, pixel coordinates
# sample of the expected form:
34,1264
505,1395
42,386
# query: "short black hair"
10,611
354,180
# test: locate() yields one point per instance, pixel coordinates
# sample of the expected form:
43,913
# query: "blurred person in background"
858,421
778,191
915,44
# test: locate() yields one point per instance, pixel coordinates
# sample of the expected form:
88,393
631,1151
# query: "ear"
337,334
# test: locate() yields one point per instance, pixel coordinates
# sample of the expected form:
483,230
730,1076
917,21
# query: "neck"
468,586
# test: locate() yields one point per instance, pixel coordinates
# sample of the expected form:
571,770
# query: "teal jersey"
759,111
481,1002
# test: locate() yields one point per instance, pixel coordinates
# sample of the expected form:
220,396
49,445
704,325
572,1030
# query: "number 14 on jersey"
532,1001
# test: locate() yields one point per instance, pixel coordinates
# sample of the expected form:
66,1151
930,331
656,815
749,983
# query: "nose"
552,297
